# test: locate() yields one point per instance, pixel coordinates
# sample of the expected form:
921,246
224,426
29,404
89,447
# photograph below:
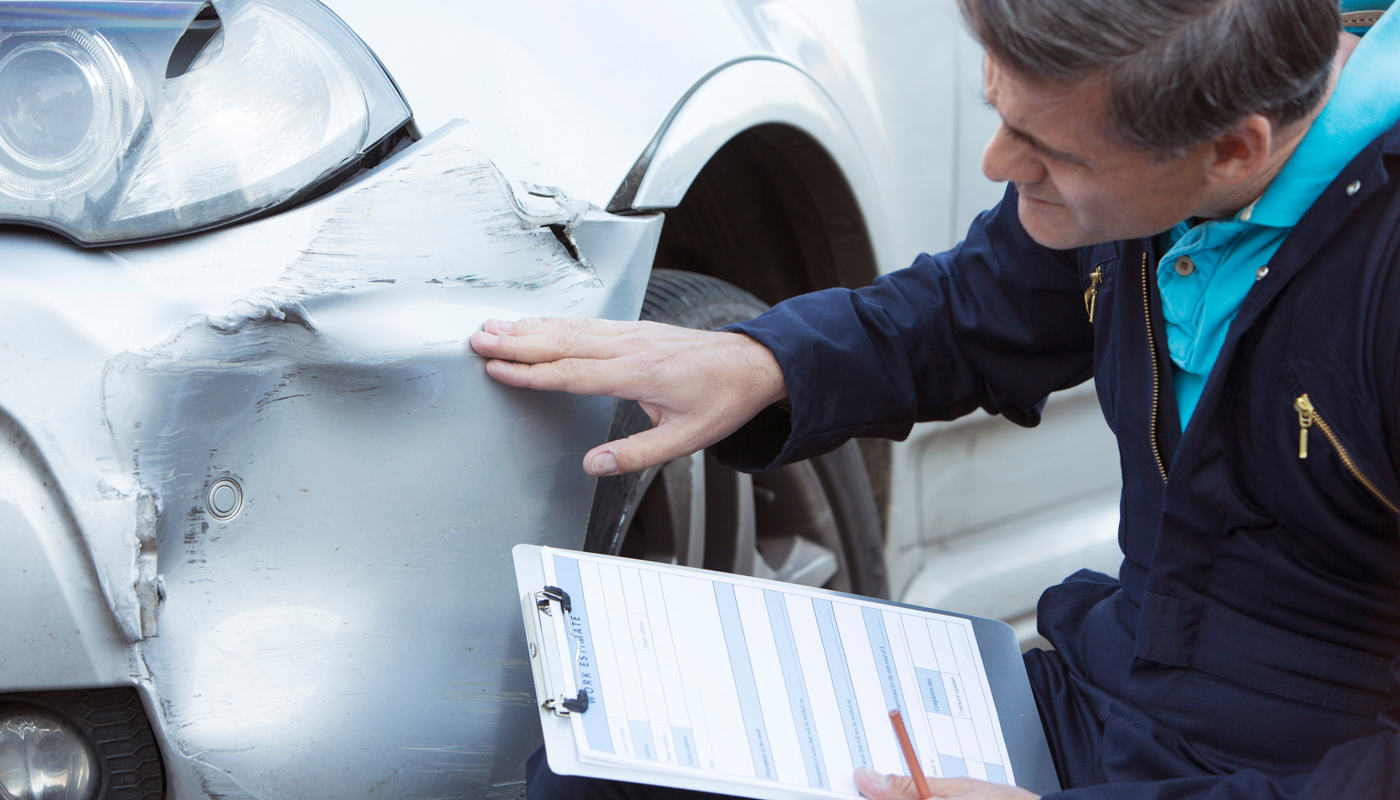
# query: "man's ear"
1241,153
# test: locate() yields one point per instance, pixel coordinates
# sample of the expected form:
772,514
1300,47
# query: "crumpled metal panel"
354,629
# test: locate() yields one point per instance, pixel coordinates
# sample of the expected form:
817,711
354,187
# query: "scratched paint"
359,610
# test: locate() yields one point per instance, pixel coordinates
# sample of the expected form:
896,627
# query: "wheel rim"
694,512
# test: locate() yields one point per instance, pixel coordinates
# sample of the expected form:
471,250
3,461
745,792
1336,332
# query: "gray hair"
1177,73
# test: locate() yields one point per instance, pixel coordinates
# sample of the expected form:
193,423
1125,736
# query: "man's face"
1078,185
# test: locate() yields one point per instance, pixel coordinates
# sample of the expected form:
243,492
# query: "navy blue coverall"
1248,647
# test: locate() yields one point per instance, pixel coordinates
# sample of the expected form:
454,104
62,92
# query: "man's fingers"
533,342
529,326
574,375
536,348
877,786
640,450
973,789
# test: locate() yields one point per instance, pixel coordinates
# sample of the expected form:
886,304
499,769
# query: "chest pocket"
1336,443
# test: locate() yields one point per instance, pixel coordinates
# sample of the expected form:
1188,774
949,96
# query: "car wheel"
814,523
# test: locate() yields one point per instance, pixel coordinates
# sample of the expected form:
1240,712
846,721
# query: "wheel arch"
767,100
764,185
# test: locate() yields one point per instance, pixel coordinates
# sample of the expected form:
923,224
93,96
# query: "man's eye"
1021,137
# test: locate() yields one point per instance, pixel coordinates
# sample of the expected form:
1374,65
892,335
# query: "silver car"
257,496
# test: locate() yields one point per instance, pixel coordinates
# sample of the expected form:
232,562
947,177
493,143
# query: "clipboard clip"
556,594
562,705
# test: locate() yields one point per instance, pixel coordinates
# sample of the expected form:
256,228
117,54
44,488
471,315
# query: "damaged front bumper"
258,475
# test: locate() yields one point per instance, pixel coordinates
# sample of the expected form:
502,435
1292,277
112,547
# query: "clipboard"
544,609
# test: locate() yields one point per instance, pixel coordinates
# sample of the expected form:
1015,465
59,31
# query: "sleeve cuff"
758,445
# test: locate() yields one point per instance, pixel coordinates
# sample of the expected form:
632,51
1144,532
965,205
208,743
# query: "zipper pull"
1306,414
1091,295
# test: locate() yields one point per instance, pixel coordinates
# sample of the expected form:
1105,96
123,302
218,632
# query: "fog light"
42,757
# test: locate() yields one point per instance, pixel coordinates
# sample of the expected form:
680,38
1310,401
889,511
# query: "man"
1201,217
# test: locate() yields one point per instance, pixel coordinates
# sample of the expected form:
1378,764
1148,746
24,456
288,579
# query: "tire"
815,522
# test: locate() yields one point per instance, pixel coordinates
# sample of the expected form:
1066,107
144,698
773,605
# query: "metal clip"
563,706
556,594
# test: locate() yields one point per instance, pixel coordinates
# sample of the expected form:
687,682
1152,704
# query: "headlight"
42,757
110,133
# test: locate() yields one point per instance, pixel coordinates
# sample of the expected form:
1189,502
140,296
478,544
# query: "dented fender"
352,625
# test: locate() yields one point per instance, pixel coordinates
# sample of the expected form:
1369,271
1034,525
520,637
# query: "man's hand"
898,787
697,386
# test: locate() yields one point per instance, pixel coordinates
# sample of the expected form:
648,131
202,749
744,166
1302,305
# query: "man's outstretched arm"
995,323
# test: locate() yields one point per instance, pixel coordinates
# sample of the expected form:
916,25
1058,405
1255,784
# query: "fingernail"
504,327
488,339
604,464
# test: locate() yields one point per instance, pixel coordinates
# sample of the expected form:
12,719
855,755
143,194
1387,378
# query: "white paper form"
769,684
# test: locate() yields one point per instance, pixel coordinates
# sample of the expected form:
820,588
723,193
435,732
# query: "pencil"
910,758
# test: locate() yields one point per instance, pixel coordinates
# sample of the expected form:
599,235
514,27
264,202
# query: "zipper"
1307,418
1156,375
1091,295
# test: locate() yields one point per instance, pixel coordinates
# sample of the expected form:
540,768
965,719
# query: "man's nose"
1007,158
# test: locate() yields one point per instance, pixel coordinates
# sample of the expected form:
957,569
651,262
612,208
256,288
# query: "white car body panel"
571,95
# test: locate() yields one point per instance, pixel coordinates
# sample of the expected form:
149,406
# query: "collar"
1364,105
1359,15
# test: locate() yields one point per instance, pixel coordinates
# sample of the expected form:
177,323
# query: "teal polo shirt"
1210,267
